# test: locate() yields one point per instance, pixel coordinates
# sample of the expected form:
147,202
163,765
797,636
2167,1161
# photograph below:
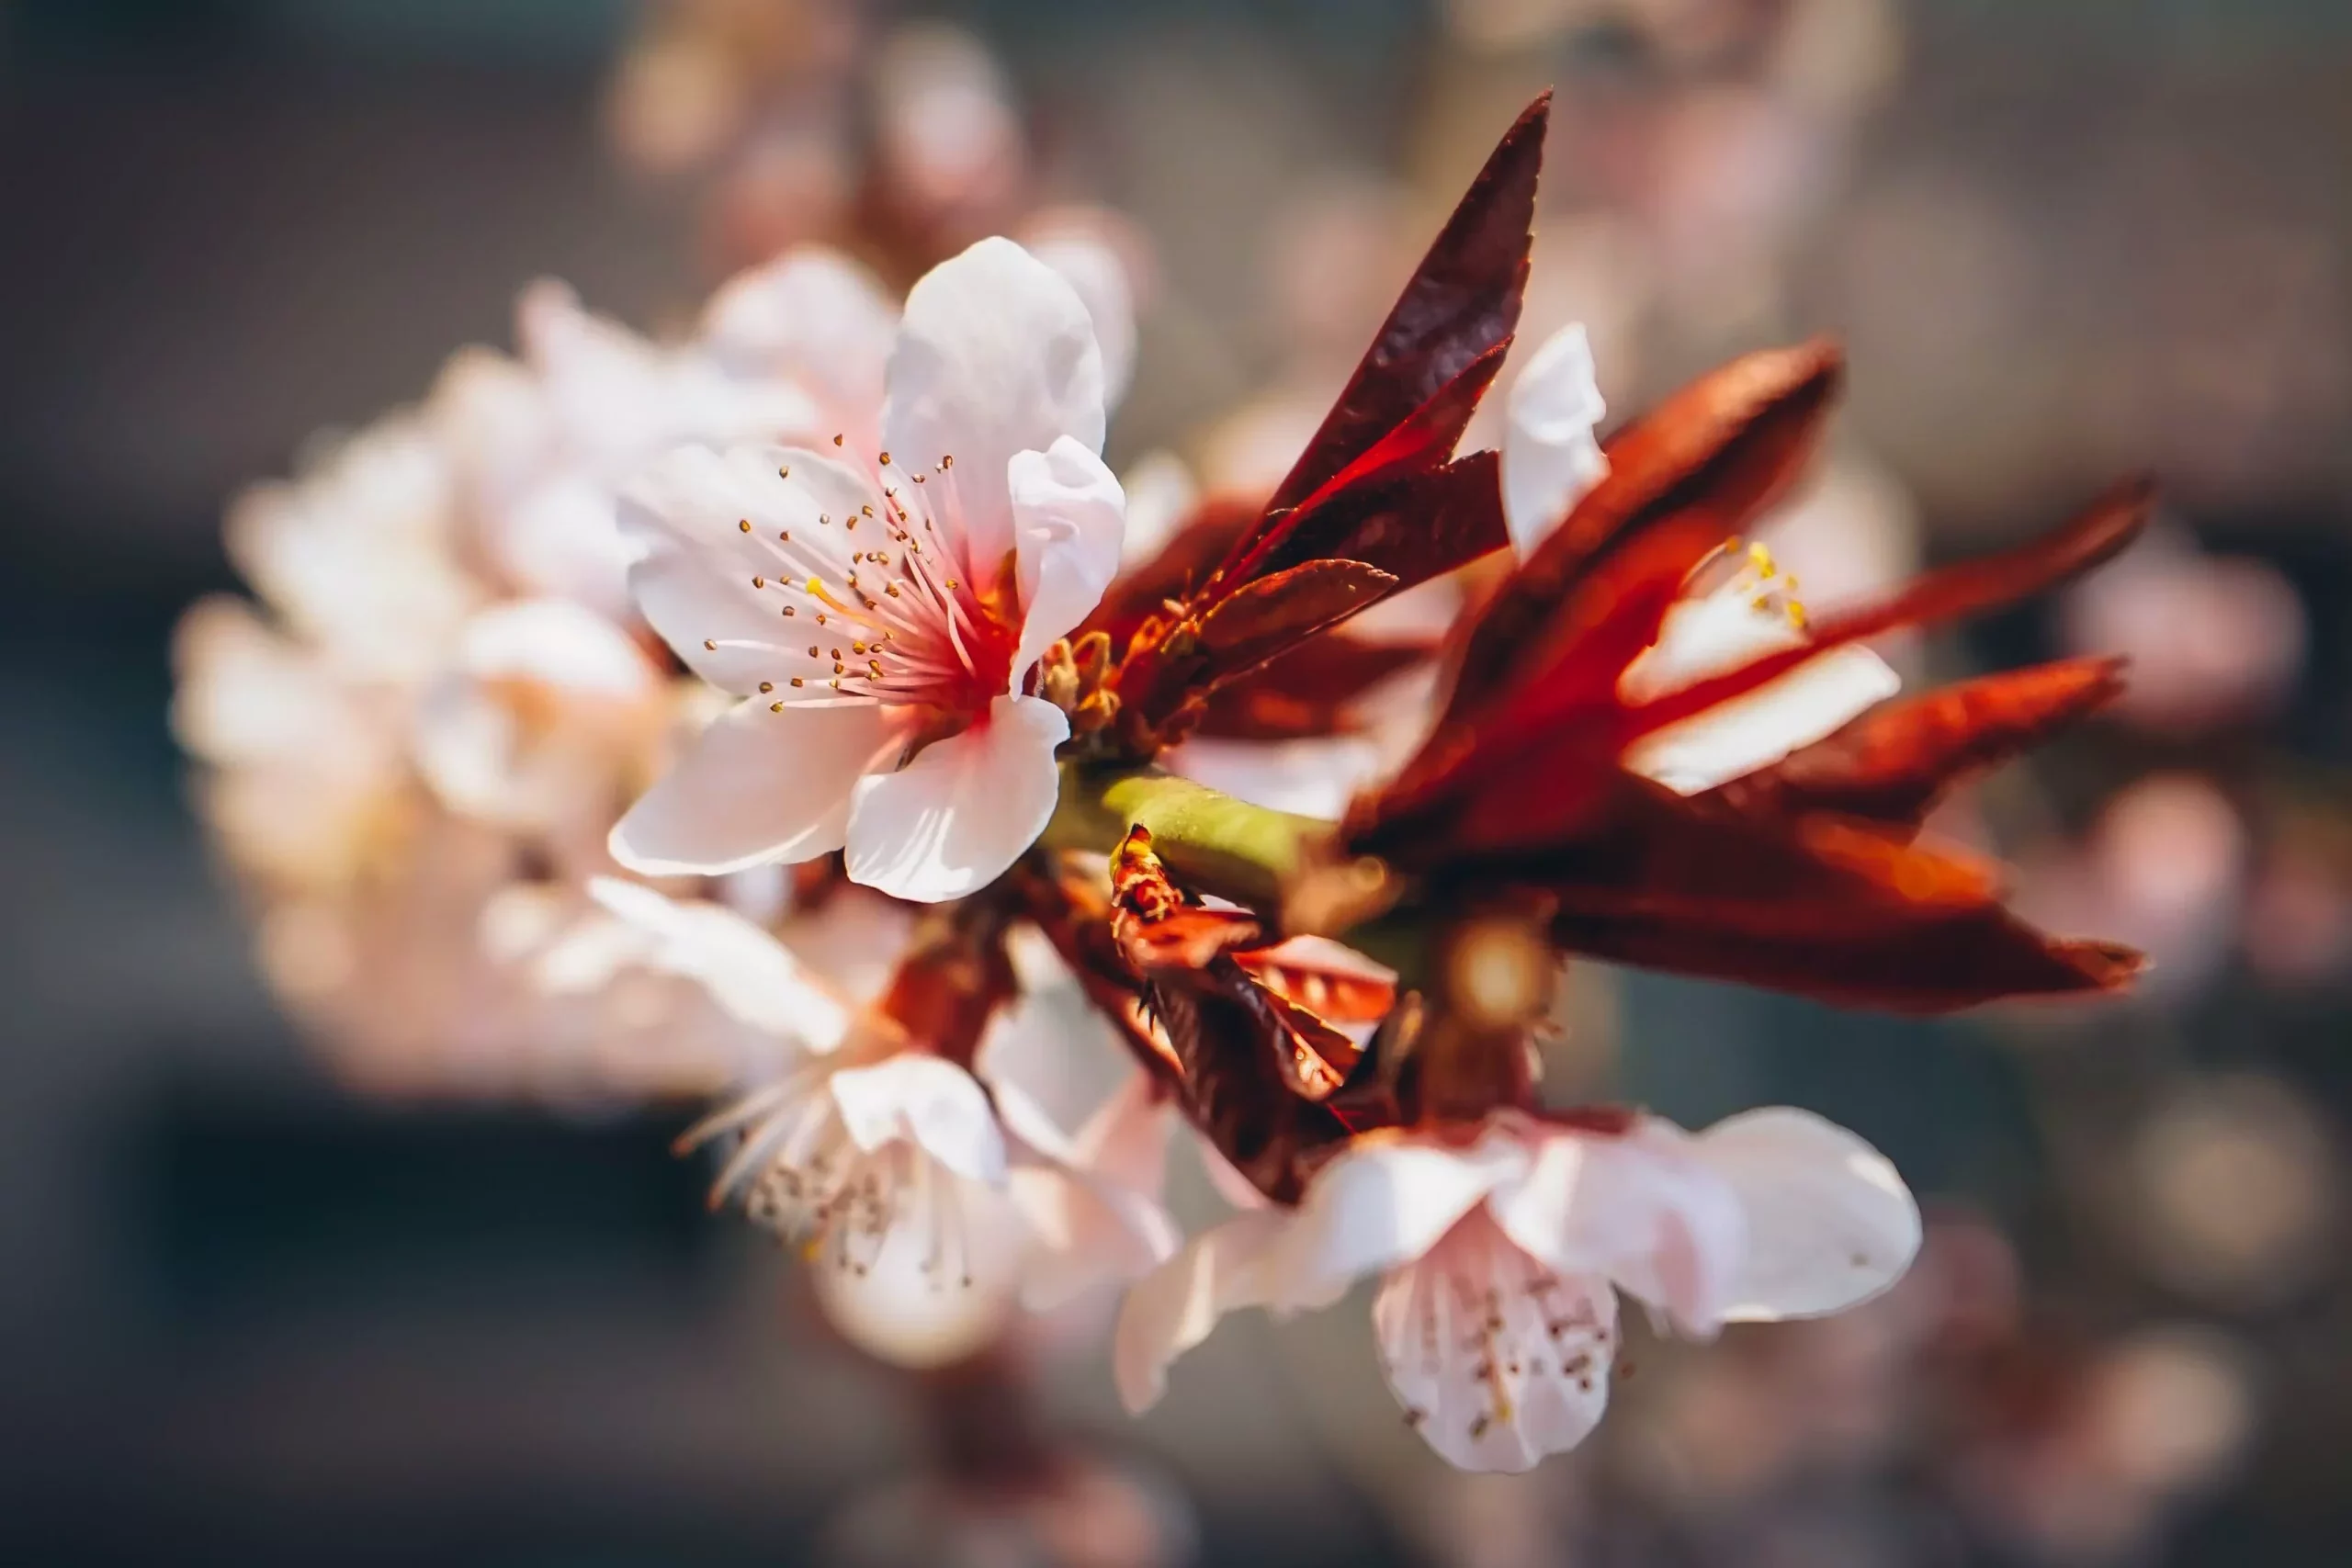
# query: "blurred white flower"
882,671
1500,1256
931,1201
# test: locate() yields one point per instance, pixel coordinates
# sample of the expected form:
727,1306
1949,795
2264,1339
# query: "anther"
886,459
797,682
784,472
774,707
837,440
708,646
948,462
745,525
759,582
766,686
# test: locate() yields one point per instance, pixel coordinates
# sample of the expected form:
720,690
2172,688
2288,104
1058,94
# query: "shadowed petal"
1551,456
951,821
1174,1308
755,786
1068,515
1829,1222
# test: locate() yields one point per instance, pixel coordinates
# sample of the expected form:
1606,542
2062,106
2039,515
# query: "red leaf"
2110,523
1709,458
1317,526
1273,613
1307,691
1183,565
1461,303
1895,762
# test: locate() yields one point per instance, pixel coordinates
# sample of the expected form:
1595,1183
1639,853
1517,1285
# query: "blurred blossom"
2298,918
949,153
416,744
2237,665
2232,1192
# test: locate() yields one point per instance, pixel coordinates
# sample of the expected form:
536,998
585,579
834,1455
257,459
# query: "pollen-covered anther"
745,525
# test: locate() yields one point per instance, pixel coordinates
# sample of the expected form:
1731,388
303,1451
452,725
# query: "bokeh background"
248,1315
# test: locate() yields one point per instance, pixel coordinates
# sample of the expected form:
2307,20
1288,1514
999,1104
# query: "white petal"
1551,456
926,1101
1829,1222
1735,738
996,355
941,1283
747,972
1639,1209
1096,272
1067,515
813,313
692,564
1173,1308
1497,1362
755,786
1383,1203
951,821
1717,632
559,645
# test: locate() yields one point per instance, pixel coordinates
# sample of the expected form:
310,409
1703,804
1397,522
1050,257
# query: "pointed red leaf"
1463,302
1895,762
1967,588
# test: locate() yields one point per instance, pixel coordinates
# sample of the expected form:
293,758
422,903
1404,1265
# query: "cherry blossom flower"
1502,1249
931,1196
880,618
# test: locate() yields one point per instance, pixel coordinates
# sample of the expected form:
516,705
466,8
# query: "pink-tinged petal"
996,355
942,1282
1067,516
951,821
1237,1190
1496,1360
1174,1308
814,314
1551,456
692,564
1829,1222
1091,1201
750,974
1383,1203
756,787
926,1101
1640,1209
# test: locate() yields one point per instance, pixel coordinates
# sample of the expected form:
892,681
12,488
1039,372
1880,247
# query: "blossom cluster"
922,660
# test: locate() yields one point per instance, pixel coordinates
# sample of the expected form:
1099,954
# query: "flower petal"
691,562
1383,1201
755,786
1829,1222
813,313
1068,515
1094,271
1551,457
1716,633
750,974
929,1102
1497,1362
952,820
1639,1209
940,1283
1174,1308
996,355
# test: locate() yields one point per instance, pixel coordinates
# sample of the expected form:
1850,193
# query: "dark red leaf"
1307,691
2096,535
1461,303
1273,613
1894,762
1425,441
1710,458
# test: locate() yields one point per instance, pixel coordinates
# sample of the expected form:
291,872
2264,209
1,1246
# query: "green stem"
1214,842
